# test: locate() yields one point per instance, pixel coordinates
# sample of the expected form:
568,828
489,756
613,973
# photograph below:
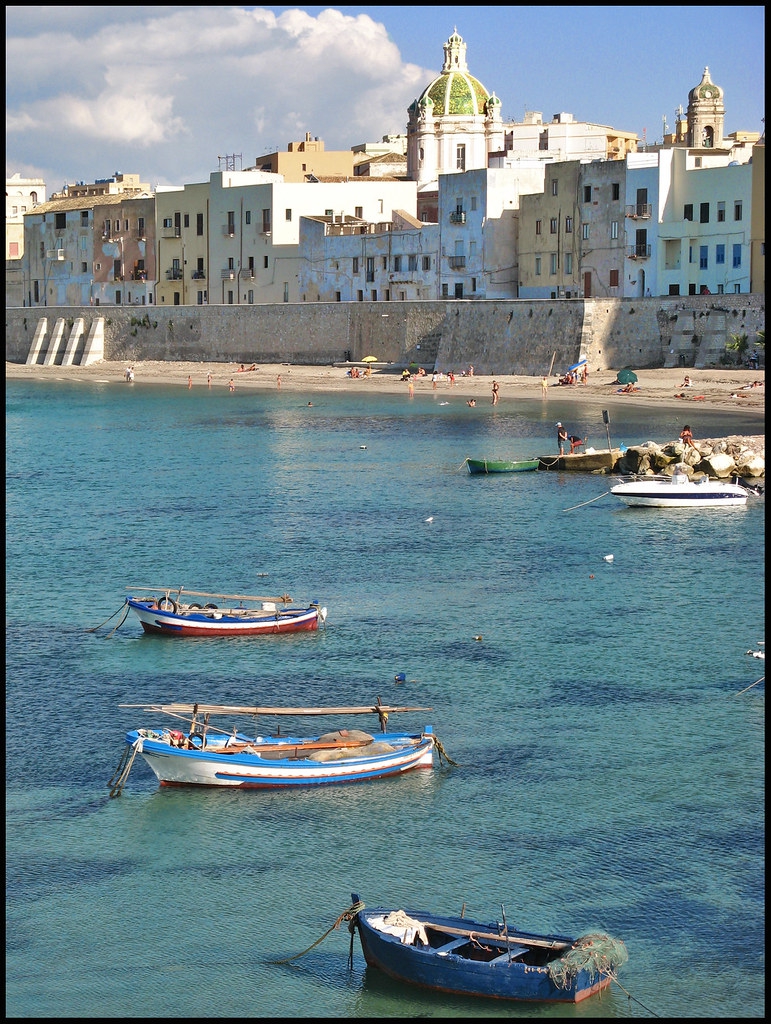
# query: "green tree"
738,344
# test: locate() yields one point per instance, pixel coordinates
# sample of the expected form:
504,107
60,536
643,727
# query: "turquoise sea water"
610,775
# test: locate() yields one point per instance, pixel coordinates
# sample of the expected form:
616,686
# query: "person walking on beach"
544,387
496,390
189,382
208,379
278,382
411,386
562,438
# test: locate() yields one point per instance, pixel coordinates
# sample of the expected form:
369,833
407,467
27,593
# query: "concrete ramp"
94,350
77,332
56,342
37,342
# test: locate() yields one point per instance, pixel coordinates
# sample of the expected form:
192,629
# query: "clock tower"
706,115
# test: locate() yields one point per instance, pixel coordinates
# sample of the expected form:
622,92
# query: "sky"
172,93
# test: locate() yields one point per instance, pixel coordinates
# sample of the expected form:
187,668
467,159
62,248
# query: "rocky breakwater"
718,458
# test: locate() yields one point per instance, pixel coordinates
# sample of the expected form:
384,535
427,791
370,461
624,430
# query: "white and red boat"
176,612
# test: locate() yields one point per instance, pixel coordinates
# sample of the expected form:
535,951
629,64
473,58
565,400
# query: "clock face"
707,93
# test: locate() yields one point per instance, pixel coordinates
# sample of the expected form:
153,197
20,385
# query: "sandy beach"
723,388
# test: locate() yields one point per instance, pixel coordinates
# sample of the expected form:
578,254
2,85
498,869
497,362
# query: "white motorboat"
678,491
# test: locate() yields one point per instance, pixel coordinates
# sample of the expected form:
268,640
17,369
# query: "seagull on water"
429,520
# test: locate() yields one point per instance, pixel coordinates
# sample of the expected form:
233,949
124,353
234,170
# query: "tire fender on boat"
167,604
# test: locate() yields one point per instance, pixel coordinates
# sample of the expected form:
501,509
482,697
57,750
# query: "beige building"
307,161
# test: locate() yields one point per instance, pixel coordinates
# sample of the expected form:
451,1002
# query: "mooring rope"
125,604
118,780
347,915
629,995
115,628
586,502
443,753
750,686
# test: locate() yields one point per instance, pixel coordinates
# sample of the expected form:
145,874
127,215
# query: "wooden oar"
265,748
284,599
504,940
224,709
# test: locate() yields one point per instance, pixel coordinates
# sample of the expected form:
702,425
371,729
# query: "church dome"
705,90
455,91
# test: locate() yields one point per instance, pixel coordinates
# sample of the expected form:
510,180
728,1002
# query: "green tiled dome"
455,91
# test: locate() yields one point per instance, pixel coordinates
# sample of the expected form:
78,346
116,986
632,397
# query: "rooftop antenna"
230,161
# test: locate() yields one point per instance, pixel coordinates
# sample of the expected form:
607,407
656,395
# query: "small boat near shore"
479,466
203,754
170,612
678,491
465,957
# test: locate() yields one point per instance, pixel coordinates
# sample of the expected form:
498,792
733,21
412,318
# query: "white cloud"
164,91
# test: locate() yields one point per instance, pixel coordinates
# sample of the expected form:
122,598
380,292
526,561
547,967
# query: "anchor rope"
586,502
118,781
629,995
443,753
750,686
125,603
116,628
347,915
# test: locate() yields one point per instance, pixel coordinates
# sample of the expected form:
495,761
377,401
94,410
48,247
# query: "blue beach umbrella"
576,365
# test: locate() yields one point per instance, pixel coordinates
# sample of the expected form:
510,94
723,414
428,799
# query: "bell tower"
706,115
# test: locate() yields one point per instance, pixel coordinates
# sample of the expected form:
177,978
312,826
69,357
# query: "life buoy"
167,604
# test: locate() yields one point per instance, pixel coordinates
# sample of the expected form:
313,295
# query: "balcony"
247,272
228,275
456,262
175,274
167,232
639,211
199,275
56,254
229,230
458,217
138,275
638,252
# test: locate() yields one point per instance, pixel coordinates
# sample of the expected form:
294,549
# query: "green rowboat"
500,466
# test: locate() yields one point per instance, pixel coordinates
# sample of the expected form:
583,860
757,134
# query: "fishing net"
595,953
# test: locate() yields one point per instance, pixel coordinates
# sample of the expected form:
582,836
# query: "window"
355,268
426,262
703,257
286,291
445,292
690,254
397,264
83,217
614,229
614,279
60,220
543,140
553,226
187,220
460,157
720,212
538,266
688,211
231,222
691,289
413,262
554,186
83,266
615,190
385,263
247,216
199,224
553,263
473,202
265,262
287,215
568,262
568,225
167,223
737,289
266,224
538,227
737,211
585,231
370,268
13,249
720,254
737,250
704,213
587,193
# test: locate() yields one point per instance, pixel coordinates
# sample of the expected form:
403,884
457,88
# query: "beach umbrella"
369,359
626,377
576,365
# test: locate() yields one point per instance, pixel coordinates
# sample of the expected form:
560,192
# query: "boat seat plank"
450,946
513,951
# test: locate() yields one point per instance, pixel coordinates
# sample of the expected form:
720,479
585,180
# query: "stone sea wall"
529,337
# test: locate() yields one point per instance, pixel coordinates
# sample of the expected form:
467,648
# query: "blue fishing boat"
465,957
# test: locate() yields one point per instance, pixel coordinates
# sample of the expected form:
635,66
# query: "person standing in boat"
562,438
